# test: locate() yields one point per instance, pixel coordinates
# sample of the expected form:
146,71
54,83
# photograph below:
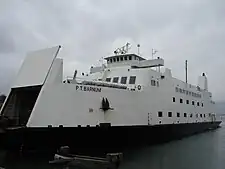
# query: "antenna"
101,60
186,69
138,47
154,51
123,50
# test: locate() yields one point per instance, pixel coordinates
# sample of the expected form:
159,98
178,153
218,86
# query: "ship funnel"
203,82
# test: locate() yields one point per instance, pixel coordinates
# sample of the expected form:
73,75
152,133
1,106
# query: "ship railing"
103,84
93,82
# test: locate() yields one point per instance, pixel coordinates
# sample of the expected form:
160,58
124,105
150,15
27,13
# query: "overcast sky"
88,30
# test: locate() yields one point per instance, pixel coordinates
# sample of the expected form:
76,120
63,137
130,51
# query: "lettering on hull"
88,88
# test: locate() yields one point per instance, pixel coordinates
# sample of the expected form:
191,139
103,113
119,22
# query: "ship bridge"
133,60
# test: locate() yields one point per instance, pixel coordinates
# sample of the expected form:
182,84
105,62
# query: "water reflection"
206,150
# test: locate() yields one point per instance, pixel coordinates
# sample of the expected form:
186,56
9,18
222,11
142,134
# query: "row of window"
188,92
187,102
155,83
170,114
121,58
123,80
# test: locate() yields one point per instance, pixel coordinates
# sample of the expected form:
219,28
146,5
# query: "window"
177,89
204,115
180,90
110,60
181,100
187,101
196,115
197,103
115,79
200,115
157,83
114,59
121,58
130,57
132,80
117,59
178,114
153,82
193,102
174,99
202,104
169,114
185,114
125,57
108,79
191,115
160,114
123,80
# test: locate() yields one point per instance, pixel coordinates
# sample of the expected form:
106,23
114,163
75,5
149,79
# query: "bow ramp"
33,74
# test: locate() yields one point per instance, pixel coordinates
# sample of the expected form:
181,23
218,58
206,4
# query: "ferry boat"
125,102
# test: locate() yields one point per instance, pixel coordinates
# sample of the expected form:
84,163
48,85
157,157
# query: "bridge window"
123,80
108,79
157,83
181,100
153,82
115,79
132,80
160,114
174,99
169,114
187,101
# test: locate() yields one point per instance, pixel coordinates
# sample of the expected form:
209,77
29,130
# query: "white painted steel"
71,104
35,67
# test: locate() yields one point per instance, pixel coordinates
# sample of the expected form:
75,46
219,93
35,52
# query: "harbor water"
201,151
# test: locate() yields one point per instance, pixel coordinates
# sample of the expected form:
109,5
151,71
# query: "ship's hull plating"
100,139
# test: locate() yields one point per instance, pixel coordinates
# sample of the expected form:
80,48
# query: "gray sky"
88,30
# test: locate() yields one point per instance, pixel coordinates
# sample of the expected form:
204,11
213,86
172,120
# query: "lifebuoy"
139,87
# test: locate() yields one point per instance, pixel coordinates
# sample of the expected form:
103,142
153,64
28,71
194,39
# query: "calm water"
203,151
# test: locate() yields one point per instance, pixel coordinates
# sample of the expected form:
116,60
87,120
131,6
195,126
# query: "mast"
138,47
186,69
